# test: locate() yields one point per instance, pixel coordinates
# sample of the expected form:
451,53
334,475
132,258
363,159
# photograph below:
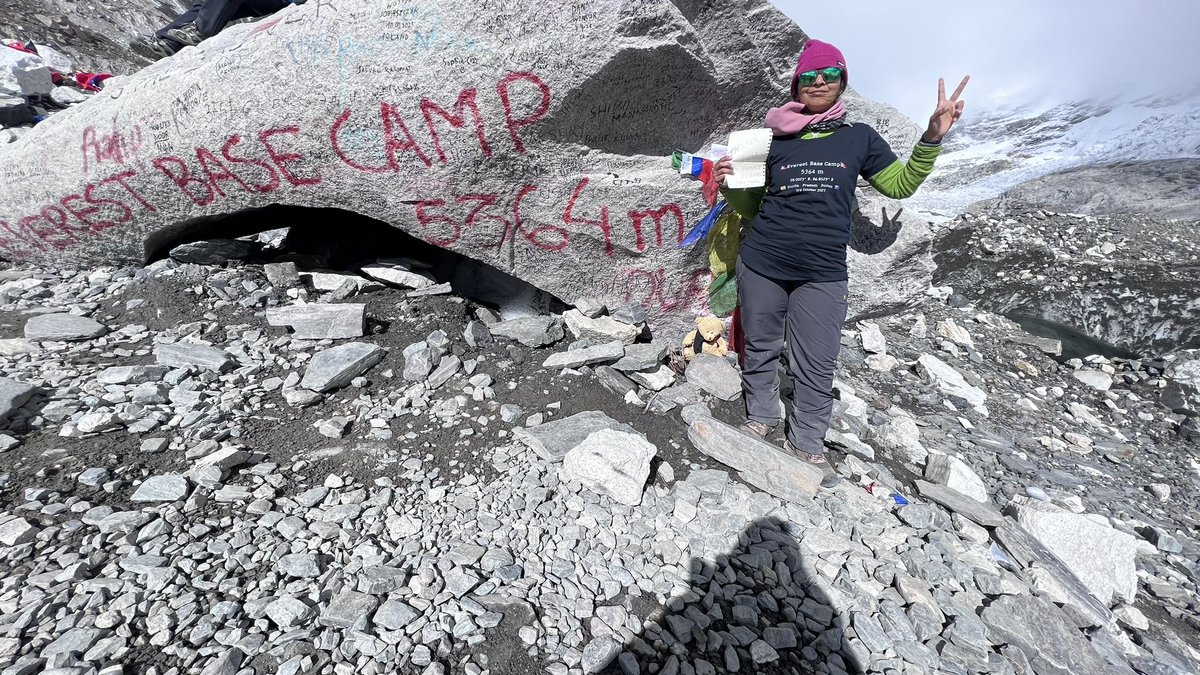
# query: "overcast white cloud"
1016,51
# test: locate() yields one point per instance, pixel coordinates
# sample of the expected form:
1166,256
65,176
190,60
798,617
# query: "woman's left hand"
947,112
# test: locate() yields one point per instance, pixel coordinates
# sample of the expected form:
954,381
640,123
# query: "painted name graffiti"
384,140
112,145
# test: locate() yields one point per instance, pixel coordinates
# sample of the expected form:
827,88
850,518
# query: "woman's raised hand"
722,168
947,112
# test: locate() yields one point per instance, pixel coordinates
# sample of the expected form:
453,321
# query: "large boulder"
535,141
23,74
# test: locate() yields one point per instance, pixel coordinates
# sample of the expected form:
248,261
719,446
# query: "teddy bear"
705,339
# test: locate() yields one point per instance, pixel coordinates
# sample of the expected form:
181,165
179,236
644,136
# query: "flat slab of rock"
187,355
1099,555
1029,552
215,251
395,615
13,395
949,381
611,462
956,475
982,513
1048,346
655,379
336,367
715,375
65,327
574,358
165,488
132,374
599,328
1041,631
349,609
531,331
287,612
552,440
75,640
396,273
1095,379
321,321
760,463
16,532
642,356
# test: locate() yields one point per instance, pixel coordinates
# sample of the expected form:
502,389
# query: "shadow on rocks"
756,609
870,238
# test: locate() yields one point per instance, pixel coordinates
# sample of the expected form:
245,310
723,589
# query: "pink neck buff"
790,117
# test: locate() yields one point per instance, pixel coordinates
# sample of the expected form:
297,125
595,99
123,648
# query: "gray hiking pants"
809,315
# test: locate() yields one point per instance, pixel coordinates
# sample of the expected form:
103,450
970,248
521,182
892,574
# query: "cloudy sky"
1016,51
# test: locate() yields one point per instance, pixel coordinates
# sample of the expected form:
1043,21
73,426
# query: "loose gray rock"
282,275
334,368
715,375
574,358
552,440
1100,556
165,488
397,272
67,327
477,334
16,532
531,331
956,475
349,609
949,381
982,513
603,328
590,307
75,640
615,463
321,321
395,615
1095,379
215,251
599,653
226,663
186,355
299,565
132,374
872,339
13,395
761,464
642,356
289,612
1043,634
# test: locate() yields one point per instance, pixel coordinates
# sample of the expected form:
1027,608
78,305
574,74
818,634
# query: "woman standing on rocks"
791,268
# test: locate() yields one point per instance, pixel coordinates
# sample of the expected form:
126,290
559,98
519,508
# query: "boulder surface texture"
535,141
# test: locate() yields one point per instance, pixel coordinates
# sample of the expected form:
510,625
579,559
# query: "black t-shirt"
803,226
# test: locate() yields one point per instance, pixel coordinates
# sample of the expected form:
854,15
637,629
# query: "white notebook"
748,152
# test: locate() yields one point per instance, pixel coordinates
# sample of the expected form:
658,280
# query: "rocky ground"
1166,188
1129,280
94,35
240,468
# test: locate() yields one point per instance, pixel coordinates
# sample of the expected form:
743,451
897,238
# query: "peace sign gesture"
947,112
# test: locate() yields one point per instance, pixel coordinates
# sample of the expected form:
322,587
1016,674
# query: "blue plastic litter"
899,499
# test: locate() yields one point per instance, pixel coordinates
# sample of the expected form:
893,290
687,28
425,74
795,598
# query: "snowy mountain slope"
1002,148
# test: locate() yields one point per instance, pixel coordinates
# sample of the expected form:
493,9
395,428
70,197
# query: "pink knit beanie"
817,55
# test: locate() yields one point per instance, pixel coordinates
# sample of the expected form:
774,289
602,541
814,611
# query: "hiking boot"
153,47
829,477
757,429
187,34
